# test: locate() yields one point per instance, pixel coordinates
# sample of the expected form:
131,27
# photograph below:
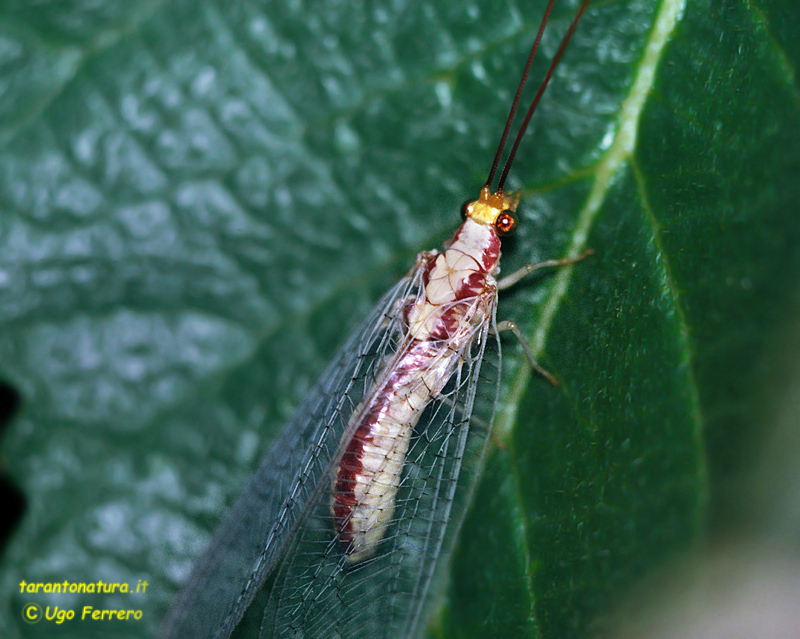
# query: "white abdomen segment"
441,323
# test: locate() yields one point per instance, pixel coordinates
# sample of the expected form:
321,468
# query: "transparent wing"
316,593
251,537
275,569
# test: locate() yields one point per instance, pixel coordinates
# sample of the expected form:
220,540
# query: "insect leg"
511,326
516,276
513,278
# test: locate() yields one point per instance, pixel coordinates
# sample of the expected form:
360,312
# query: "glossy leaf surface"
199,200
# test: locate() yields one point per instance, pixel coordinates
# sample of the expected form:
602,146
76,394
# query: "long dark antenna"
521,86
550,71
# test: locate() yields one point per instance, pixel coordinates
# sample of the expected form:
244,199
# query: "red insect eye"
505,224
465,208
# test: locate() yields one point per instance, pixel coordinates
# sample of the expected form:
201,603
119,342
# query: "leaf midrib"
619,153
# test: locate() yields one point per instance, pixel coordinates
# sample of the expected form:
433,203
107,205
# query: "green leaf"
199,200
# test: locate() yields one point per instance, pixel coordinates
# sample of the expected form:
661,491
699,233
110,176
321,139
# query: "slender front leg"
513,278
516,276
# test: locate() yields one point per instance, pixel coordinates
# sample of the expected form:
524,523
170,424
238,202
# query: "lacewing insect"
339,531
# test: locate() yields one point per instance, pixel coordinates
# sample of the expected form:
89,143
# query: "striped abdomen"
458,291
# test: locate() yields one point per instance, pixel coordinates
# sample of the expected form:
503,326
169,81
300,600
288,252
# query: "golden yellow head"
493,209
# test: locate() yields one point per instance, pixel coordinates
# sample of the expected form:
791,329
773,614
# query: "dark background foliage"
198,200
